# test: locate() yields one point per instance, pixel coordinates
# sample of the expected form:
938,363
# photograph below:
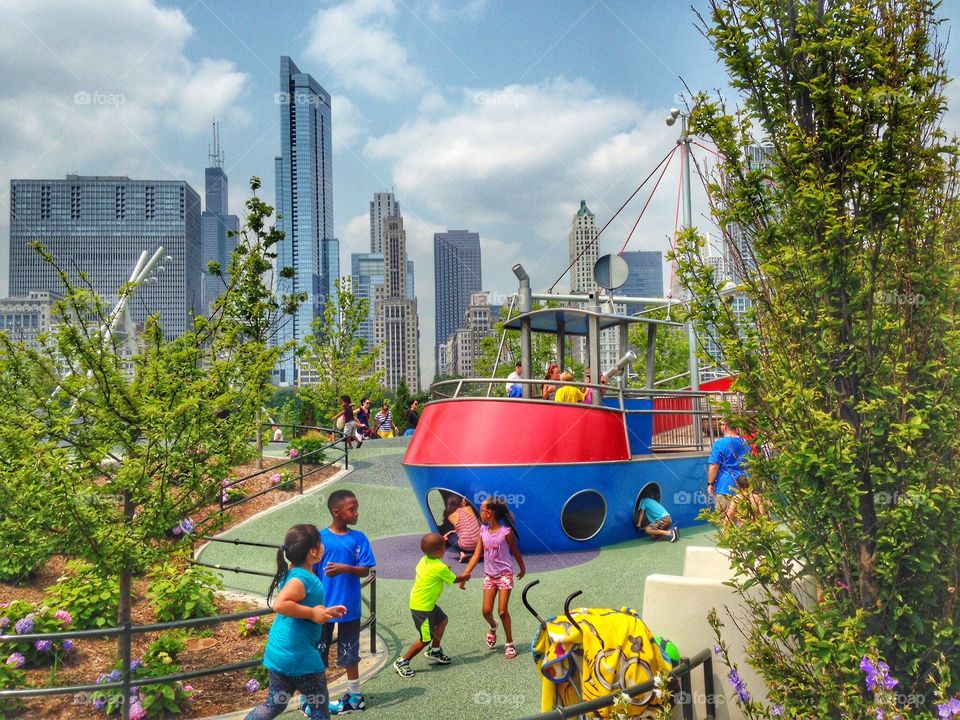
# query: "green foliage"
400,406
158,701
91,598
310,445
26,552
180,593
251,626
672,357
850,359
260,672
337,353
166,648
11,678
284,481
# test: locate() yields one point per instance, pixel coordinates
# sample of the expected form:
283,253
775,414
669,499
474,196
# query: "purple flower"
68,645
251,686
112,676
4,623
738,685
16,660
177,531
99,702
225,482
135,664
717,649
43,645
778,710
276,478
881,714
188,688
64,617
24,626
949,709
186,525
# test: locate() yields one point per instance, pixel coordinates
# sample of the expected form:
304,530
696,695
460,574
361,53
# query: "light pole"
684,143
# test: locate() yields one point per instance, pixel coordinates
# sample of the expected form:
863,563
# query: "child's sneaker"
492,637
675,535
403,667
350,702
510,652
437,655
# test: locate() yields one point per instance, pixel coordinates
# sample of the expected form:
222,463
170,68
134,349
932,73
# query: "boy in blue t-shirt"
347,557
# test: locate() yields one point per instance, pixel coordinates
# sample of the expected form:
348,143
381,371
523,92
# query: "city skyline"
495,116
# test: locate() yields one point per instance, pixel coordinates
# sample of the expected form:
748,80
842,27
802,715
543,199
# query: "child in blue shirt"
291,655
347,557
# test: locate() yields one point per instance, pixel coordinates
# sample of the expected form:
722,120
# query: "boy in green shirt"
428,618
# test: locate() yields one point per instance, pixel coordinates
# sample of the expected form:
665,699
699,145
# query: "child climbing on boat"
466,530
498,547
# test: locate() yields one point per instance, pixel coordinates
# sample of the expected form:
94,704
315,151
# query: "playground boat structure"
572,474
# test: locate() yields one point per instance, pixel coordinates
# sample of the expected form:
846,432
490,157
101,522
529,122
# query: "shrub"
181,593
23,554
23,618
251,626
90,598
311,445
11,677
283,481
149,701
166,648
233,493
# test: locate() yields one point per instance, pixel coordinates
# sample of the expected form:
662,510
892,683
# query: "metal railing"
125,633
681,671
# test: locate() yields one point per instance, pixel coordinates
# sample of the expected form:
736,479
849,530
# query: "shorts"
501,582
350,430
385,434
348,642
662,524
427,622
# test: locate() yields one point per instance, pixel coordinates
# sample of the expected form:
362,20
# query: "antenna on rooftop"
216,157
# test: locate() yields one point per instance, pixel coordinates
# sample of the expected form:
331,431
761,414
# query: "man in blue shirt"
727,462
347,557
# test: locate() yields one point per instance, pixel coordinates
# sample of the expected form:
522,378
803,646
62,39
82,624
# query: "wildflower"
738,685
136,711
948,709
225,482
188,688
24,626
4,623
251,686
64,617
717,649
177,531
778,710
293,453
112,676
16,660
135,664
186,525
67,645
881,715
275,478
99,702
43,645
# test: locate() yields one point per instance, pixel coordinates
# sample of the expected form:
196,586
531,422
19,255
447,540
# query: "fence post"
346,454
126,659
686,692
708,688
300,465
373,611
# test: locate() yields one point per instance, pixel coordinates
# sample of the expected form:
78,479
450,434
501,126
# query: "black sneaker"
437,655
675,535
403,667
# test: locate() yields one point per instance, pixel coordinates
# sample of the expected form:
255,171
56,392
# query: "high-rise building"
304,173
646,274
456,274
383,205
396,324
216,226
99,226
458,355
24,318
583,250
366,272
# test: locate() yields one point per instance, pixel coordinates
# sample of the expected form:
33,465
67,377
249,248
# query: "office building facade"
304,187
383,205
396,323
645,278
456,274
99,226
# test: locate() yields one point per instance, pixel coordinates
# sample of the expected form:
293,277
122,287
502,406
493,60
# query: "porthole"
437,499
650,490
583,515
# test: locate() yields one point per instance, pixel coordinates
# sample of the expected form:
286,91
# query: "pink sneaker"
510,652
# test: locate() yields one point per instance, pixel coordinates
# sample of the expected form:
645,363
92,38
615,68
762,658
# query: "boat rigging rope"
669,160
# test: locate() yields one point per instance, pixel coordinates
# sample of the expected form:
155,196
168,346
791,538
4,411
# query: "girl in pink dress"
498,545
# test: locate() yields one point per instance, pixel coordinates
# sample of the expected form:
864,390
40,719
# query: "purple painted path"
397,558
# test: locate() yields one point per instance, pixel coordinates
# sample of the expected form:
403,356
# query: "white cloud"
359,47
102,88
447,10
349,124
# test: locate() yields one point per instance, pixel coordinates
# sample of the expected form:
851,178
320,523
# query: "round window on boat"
650,490
583,515
437,501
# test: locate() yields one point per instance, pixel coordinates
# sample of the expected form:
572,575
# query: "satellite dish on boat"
610,271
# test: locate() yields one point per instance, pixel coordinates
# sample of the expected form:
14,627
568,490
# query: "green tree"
672,358
543,350
401,404
338,355
851,361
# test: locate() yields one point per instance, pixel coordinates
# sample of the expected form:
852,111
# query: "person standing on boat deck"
726,463
550,391
569,393
515,389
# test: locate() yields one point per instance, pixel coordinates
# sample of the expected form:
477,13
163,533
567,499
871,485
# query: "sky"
496,116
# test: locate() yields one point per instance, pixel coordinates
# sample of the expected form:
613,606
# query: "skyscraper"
456,274
216,225
646,274
396,326
582,250
99,226
304,173
366,272
383,205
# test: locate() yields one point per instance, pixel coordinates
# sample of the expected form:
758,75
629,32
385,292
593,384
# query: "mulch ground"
209,647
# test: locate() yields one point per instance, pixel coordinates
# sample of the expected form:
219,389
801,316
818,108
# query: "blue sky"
495,116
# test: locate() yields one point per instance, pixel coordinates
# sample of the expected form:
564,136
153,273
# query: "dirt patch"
216,645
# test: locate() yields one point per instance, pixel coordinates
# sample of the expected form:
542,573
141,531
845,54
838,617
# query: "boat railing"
683,420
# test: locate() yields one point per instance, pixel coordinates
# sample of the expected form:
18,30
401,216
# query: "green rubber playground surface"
480,683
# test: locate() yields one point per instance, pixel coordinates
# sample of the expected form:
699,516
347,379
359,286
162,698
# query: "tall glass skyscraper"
456,274
304,174
646,274
99,226
216,225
